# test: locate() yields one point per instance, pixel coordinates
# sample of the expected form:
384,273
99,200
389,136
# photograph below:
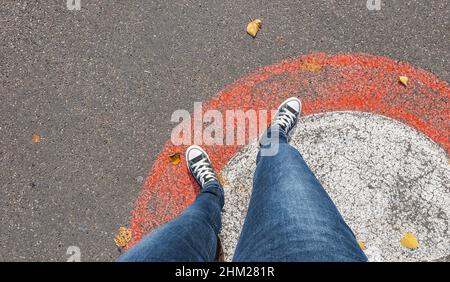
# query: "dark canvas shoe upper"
287,114
199,165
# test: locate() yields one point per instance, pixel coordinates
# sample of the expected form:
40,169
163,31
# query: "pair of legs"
290,216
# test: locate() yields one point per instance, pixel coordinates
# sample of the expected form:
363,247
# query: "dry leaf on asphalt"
123,238
253,27
409,241
403,80
35,138
175,158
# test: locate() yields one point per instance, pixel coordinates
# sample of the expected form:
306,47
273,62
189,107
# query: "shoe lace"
202,170
285,119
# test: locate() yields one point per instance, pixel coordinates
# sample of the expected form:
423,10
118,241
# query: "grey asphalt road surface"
99,86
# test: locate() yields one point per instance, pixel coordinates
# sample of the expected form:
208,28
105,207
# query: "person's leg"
190,237
290,216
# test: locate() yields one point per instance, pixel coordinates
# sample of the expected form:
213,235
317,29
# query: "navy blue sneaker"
199,165
288,113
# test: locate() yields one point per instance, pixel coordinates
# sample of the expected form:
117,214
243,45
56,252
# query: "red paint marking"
346,82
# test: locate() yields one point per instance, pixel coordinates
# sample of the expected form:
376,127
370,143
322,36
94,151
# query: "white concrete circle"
386,178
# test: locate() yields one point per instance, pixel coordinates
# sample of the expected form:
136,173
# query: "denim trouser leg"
190,237
291,217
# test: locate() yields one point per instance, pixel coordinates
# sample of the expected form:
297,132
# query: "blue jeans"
290,218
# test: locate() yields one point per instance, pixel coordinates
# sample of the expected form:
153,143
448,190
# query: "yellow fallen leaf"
123,238
253,27
403,80
409,241
362,245
175,158
312,67
35,138
221,179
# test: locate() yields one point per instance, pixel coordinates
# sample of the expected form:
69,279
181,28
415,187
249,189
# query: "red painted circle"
356,82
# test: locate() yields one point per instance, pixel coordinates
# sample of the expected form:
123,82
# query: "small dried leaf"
409,241
35,138
312,67
403,80
123,238
175,158
253,27
362,245
221,179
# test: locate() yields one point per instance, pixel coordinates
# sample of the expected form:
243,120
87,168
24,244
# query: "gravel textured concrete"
99,86
386,178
